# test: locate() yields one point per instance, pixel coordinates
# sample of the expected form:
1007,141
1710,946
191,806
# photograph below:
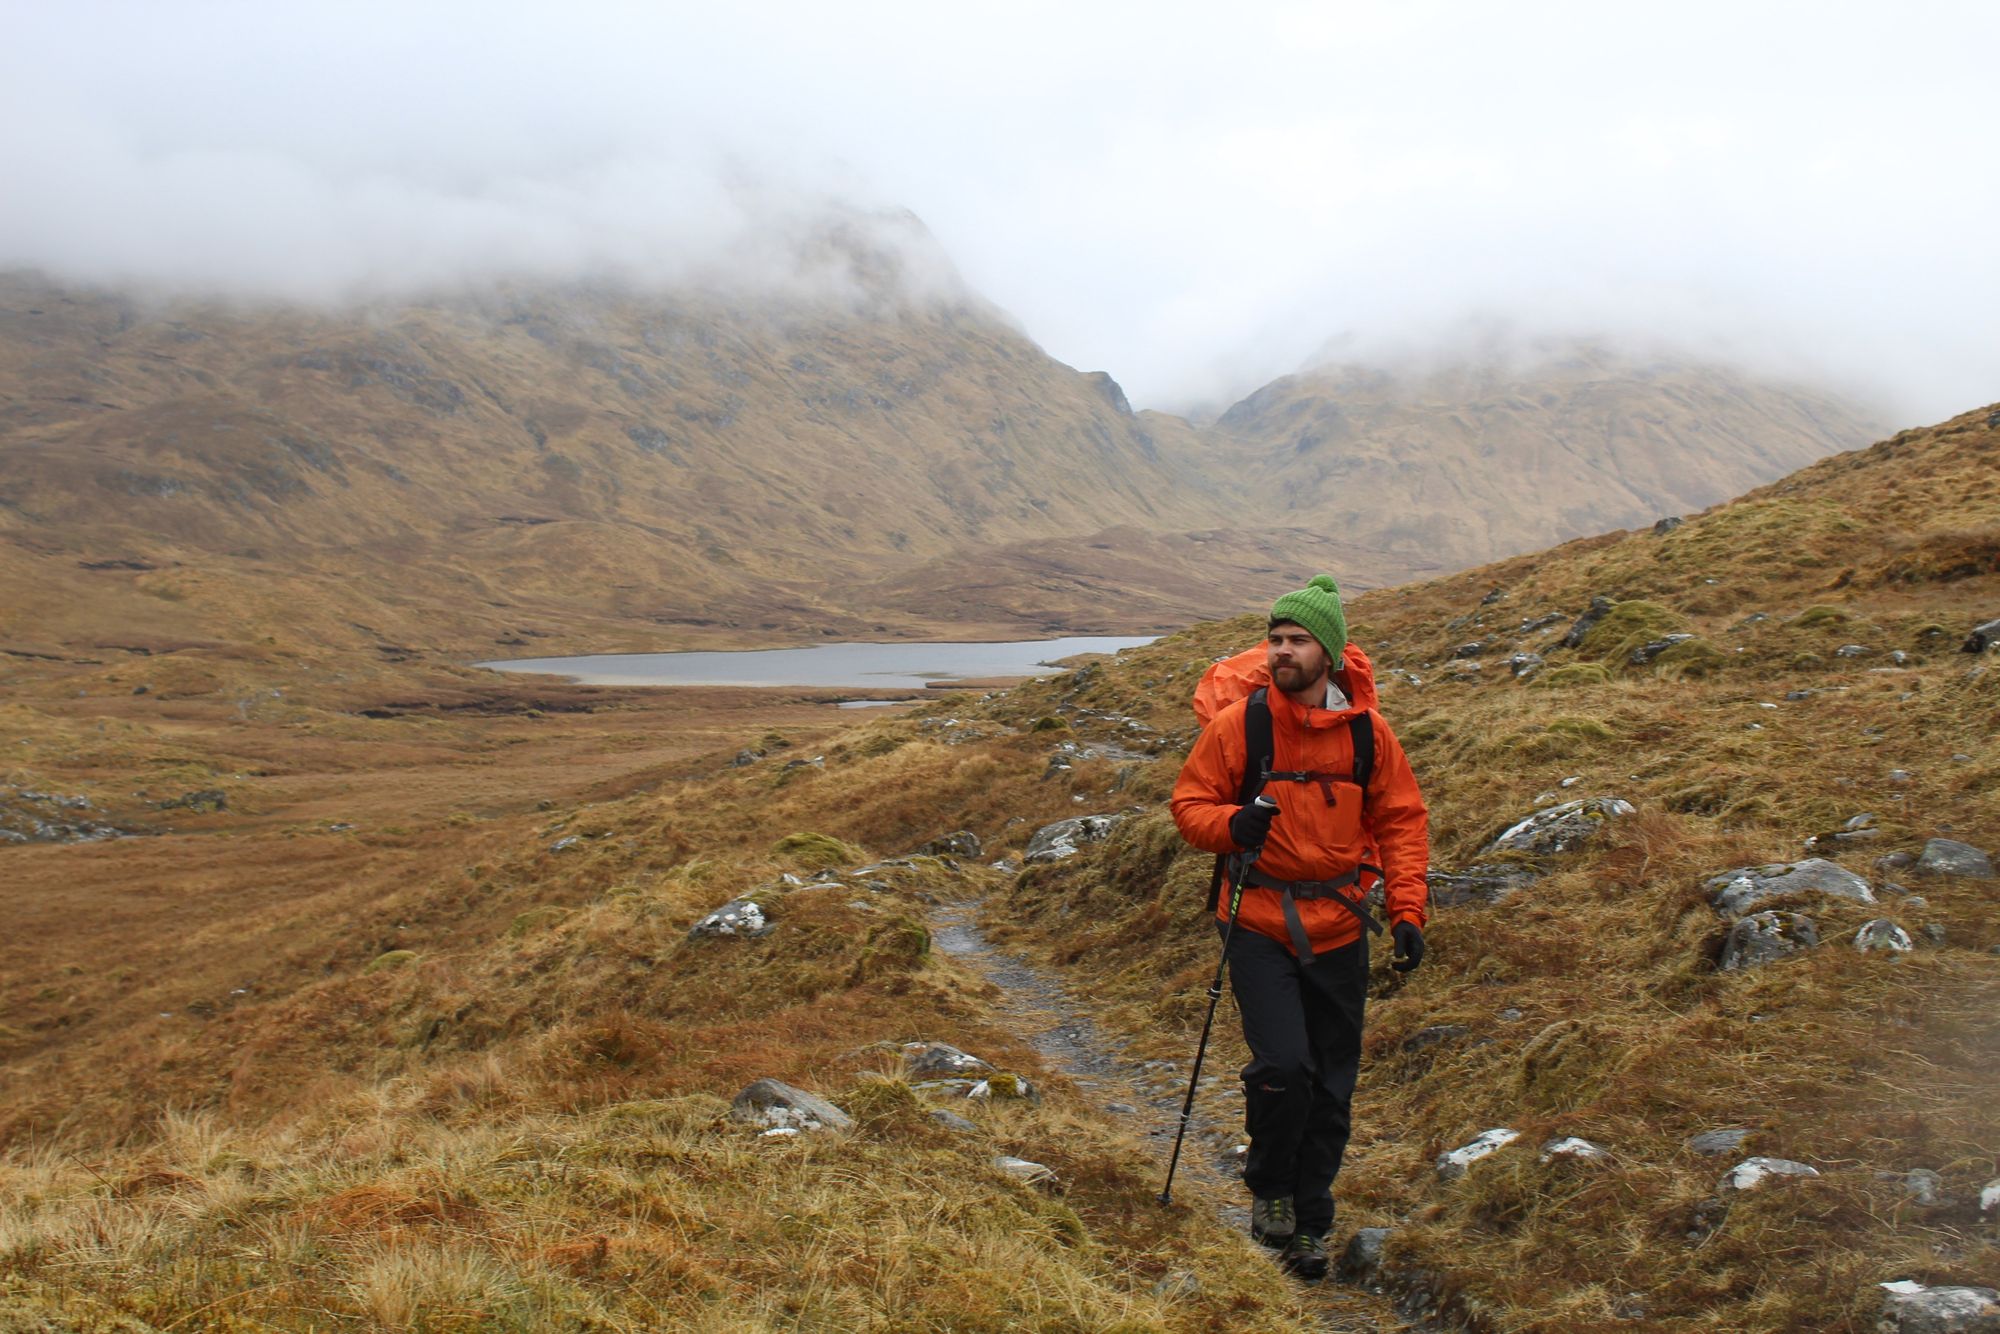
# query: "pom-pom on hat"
1317,608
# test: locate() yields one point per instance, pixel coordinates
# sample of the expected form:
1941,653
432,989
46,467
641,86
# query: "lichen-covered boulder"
770,1102
1021,1169
1752,1173
1477,884
1912,1308
1726,1140
1065,838
738,917
930,1060
1944,856
1560,828
1574,1149
1765,937
1748,888
1455,1163
1883,936
963,844
1361,1262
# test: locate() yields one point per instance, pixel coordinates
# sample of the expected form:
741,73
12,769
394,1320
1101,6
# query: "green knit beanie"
1317,608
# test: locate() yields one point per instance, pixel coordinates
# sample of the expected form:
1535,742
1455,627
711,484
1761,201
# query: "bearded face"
1297,661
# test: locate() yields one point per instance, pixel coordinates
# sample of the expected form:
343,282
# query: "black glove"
1251,825
1409,939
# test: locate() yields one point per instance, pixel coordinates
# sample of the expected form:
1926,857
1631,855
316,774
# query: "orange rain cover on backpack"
1229,680
1234,678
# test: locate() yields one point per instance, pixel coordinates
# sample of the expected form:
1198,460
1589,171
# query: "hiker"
1298,956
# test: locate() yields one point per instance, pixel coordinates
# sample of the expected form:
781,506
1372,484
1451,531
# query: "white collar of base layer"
1336,698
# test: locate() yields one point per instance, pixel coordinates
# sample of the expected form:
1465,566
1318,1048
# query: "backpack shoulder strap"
1257,745
1257,750
1361,731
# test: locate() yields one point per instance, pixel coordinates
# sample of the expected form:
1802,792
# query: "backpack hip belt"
1292,891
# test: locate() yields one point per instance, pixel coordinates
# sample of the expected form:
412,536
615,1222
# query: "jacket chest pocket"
1322,813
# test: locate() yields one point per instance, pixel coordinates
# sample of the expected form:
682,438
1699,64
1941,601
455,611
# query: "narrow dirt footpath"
1143,1097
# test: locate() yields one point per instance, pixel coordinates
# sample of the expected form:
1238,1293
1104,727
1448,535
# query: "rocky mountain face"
610,468
1456,464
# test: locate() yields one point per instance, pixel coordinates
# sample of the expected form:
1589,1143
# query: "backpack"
1214,693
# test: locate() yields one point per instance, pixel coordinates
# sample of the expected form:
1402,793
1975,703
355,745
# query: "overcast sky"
1195,197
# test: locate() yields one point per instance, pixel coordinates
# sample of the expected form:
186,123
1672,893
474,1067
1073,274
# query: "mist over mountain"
856,445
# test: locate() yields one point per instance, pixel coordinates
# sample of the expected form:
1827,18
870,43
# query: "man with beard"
1347,816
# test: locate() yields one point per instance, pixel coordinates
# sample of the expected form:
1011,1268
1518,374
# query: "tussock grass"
529,1129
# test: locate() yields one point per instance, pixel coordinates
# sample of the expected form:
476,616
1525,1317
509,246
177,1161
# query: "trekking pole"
1240,866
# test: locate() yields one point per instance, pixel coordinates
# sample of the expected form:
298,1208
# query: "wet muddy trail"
1144,1097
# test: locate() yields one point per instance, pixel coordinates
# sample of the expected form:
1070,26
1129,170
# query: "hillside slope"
495,1086
613,469
1483,457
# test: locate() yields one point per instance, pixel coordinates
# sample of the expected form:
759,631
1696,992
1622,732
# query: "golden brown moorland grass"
520,1125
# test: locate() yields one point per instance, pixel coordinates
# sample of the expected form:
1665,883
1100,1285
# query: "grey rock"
1471,650
1934,933
565,844
1899,776
953,1121
1510,1015
1003,1086
1177,1284
1765,937
1477,884
744,758
1645,653
931,1060
1797,695
963,844
1924,1187
1525,665
1361,1262
208,799
1575,1149
1883,936
1542,622
1667,525
1982,637
1021,1169
738,917
771,1102
1944,856
1895,861
1852,651
1598,609
1432,1036
1742,890
1065,838
1989,1200
1711,1143
1913,1308
1752,1173
1455,1163
1560,828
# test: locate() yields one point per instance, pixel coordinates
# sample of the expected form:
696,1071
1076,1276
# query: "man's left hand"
1409,939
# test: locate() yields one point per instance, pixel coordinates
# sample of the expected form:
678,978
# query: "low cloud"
1193,201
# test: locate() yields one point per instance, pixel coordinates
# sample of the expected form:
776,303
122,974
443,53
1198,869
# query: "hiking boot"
1272,1221
1305,1255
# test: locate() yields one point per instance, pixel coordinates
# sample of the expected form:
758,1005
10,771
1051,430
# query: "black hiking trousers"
1303,1026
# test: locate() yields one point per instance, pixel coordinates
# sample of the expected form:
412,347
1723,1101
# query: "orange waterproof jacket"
1309,839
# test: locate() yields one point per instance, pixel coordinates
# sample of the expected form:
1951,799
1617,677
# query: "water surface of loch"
895,666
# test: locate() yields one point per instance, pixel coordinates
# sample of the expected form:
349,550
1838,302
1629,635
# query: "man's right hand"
1251,825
